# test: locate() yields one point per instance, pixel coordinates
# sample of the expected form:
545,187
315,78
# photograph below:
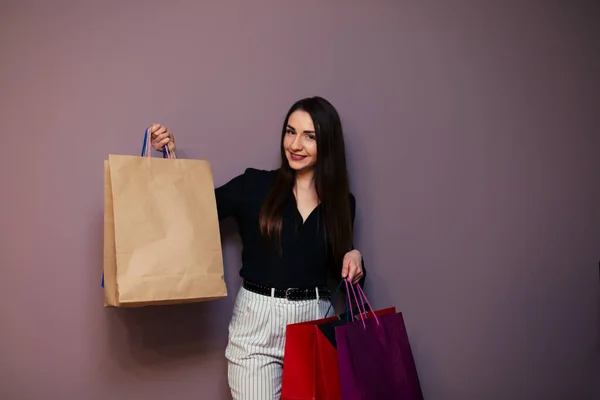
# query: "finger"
357,278
161,136
351,271
163,142
345,269
154,127
159,130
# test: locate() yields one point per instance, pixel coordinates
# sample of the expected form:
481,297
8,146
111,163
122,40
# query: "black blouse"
304,261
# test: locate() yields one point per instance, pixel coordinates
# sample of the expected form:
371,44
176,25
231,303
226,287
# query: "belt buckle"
287,293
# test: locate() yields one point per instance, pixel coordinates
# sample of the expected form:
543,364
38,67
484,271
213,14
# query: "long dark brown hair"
330,175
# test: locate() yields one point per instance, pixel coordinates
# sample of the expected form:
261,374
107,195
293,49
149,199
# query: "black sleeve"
229,196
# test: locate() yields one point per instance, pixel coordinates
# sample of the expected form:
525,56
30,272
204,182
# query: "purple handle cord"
360,291
363,312
349,299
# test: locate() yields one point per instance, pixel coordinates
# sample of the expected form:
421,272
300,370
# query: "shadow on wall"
159,336
162,334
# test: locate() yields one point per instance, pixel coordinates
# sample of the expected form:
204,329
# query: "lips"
296,157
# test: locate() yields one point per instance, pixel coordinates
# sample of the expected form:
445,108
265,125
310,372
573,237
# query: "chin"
298,167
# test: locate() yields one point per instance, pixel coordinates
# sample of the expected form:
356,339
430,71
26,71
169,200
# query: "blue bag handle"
146,147
337,290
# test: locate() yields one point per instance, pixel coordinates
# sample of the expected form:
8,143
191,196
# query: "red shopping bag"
306,353
310,363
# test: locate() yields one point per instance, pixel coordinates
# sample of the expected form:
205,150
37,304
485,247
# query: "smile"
297,157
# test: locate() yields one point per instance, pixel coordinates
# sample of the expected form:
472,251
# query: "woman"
296,225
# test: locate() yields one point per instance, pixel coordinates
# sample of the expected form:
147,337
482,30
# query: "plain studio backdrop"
472,135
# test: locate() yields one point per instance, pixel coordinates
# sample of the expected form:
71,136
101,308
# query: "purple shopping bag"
375,359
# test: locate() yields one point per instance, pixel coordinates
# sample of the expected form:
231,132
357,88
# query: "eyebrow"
294,129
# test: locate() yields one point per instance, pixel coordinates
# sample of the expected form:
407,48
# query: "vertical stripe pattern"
257,340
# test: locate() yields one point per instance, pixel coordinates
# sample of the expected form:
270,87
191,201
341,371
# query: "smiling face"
300,142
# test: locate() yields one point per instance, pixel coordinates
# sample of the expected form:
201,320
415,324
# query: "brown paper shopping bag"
162,242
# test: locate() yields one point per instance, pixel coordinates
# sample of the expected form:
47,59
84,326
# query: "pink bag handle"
356,300
348,299
364,297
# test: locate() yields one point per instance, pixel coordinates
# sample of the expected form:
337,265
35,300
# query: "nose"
297,143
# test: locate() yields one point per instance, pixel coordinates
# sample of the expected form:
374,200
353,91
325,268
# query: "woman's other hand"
352,266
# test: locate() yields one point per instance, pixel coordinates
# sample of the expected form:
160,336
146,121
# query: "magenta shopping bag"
375,359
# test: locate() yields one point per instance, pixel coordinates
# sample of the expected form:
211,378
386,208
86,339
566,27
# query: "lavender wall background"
472,134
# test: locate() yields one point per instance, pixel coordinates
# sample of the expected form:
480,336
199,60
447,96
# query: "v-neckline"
295,199
298,213
309,214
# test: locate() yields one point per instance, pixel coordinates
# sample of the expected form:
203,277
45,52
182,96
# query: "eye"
290,132
311,136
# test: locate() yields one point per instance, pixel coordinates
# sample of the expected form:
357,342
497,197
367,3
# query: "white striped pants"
257,340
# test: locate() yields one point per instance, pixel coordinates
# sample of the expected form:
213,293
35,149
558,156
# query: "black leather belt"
293,294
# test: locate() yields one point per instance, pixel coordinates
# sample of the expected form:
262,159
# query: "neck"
304,180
